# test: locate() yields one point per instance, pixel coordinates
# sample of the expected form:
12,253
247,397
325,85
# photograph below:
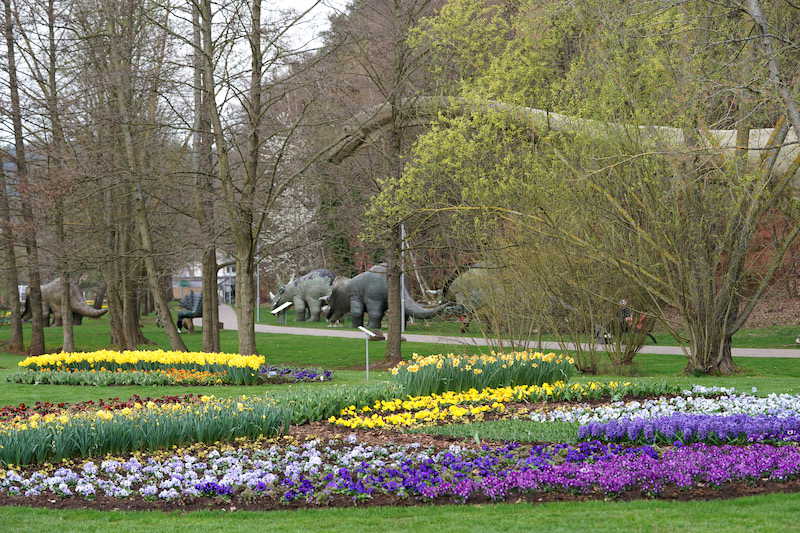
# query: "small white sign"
281,308
368,332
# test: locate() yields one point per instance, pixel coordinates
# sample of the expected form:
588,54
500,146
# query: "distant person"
625,324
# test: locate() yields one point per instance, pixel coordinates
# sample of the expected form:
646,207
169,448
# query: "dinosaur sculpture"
357,132
306,293
368,293
51,305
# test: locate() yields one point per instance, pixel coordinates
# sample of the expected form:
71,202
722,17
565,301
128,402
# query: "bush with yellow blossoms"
428,374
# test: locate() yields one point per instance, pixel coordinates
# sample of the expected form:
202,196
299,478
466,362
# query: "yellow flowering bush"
452,372
473,404
236,369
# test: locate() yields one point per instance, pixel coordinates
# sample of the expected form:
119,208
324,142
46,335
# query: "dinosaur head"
277,298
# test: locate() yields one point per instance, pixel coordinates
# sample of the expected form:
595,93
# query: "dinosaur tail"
86,310
412,308
79,307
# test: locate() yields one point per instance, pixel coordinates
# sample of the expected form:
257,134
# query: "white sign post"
367,335
278,310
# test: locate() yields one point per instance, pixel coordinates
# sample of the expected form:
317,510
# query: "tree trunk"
245,303
31,245
394,352
11,278
202,164
68,332
710,344
210,302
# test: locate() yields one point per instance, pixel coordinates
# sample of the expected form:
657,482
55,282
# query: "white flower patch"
782,405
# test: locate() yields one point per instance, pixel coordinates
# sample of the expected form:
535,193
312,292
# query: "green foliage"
320,404
95,379
462,39
508,430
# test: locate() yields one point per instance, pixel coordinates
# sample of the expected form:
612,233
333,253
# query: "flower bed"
687,428
104,378
472,405
440,373
347,472
277,374
691,402
87,428
148,426
155,367
17,413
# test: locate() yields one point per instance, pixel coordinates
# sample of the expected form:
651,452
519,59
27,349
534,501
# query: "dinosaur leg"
300,308
375,310
314,309
357,311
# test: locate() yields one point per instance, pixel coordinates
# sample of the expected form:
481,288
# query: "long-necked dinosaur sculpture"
780,142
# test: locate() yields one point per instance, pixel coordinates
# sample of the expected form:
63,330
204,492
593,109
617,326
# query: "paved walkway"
227,315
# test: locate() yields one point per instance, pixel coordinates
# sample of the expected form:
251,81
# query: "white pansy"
783,405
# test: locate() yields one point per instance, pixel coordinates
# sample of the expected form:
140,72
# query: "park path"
227,315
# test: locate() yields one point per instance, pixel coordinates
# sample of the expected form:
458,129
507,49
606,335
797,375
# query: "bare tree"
11,278
29,225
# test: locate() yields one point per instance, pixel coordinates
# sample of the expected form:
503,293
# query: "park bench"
192,304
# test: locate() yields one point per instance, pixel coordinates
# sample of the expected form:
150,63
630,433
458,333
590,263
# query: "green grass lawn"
510,430
775,512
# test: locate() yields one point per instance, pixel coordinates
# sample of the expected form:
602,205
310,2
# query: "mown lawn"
773,512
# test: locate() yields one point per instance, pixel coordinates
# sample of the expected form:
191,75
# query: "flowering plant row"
87,428
277,374
148,426
165,376
439,373
687,428
474,405
228,368
320,472
102,378
690,402
21,412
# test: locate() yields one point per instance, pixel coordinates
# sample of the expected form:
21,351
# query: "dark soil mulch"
137,503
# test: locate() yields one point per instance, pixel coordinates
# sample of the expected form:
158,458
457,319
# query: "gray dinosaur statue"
471,291
51,305
368,293
306,293
472,288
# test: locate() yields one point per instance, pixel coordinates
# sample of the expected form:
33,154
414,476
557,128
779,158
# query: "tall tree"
202,167
11,276
29,224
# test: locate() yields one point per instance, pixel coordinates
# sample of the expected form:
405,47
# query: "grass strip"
507,430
